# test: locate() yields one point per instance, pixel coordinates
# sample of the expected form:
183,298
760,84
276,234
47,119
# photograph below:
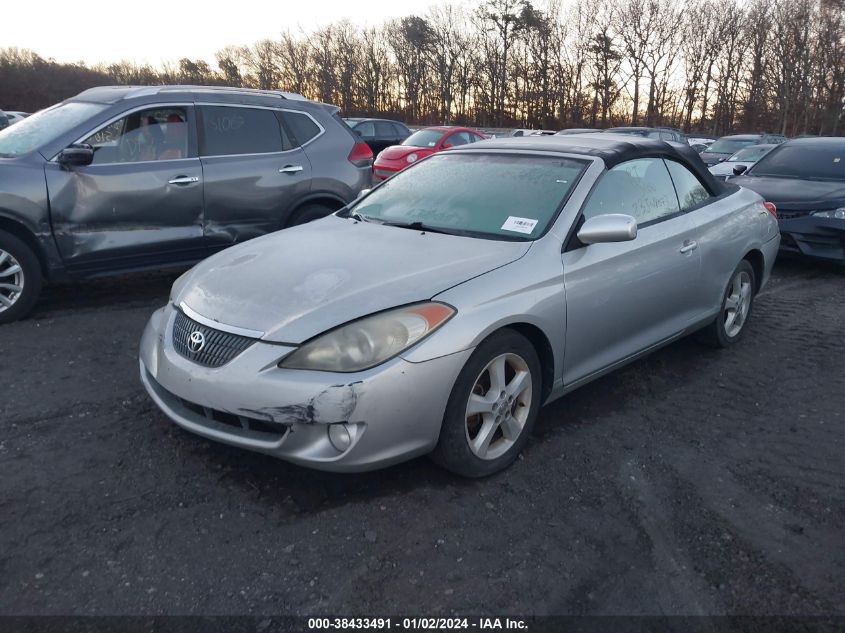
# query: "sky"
155,32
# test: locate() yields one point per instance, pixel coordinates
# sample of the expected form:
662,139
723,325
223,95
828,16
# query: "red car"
419,145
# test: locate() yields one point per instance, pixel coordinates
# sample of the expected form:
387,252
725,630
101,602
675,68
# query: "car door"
254,172
722,233
139,203
626,297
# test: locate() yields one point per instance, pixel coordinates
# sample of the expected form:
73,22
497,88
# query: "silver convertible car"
439,311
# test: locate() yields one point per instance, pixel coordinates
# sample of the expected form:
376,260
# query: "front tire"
492,408
737,302
20,278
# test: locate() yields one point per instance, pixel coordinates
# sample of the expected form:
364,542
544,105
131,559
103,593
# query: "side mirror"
611,227
447,145
358,132
76,155
740,169
363,193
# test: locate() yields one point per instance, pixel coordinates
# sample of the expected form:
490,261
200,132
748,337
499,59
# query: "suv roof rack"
112,94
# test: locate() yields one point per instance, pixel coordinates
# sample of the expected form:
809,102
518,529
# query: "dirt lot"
692,482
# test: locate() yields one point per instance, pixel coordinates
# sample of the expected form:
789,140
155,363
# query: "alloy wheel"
737,303
498,406
11,280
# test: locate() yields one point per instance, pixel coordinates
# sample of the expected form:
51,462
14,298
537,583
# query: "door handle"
689,246
290,169
183,180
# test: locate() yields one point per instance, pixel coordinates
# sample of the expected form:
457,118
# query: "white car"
744,158
15,117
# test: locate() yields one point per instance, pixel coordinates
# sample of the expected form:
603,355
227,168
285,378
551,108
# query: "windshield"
424,138
749,154
730,145
483,195
806,162
42,127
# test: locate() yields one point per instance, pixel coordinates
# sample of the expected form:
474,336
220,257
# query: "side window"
401,130
365,129
383,128
690,190
459,138
301,126
641,188
230,131
146,135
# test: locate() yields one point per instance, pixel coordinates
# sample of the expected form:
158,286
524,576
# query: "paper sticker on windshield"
520,225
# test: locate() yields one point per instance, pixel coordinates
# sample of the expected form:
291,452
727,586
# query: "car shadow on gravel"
126,291
276,483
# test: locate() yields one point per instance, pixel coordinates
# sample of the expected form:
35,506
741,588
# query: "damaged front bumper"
330,421
814,236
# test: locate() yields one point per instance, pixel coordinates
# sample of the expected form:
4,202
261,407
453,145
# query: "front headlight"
839,214
369,341
411,158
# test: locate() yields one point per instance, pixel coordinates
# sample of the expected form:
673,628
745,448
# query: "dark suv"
379,134
128,178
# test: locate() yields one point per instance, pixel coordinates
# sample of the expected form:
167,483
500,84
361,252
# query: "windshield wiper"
419,226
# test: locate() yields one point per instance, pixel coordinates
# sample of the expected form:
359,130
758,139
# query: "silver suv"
127,178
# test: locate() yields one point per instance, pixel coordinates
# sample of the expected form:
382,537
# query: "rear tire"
737,302
309,213
492,408
20,278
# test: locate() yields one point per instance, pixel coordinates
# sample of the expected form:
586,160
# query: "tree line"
713,66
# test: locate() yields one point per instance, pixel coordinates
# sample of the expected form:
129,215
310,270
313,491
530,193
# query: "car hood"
397,152
794,193
711,158
302,281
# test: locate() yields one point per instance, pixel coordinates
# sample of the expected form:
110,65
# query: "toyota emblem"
196,341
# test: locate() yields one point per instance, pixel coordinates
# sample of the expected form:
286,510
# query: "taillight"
361,155
771,208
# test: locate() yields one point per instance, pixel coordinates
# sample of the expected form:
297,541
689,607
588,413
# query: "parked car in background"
662,134
726,146
432,314
379,133
15,117
578,130
420,144
4,120
805,179
742,160
702,140
126,178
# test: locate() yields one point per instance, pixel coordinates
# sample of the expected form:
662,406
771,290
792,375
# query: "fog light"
340,437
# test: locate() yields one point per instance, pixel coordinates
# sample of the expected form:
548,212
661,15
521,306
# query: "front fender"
500,298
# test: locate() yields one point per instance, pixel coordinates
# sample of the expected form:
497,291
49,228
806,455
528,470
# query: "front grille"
217,348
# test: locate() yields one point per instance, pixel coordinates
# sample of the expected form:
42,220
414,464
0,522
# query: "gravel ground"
692,482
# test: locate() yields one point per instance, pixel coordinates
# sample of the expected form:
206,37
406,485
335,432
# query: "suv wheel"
20,278
309,213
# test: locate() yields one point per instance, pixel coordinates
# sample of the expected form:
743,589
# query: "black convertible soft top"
612,149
